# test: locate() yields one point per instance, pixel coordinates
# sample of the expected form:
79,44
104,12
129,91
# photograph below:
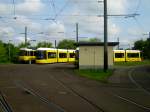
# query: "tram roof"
127,51
43,49
26,49
119,50
71,50
133,51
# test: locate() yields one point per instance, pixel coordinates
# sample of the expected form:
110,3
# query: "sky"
50,20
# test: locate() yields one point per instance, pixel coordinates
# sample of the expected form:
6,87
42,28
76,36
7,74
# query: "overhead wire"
62,9
14,7
138,6
53,6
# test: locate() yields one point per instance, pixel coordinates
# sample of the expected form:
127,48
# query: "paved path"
55,88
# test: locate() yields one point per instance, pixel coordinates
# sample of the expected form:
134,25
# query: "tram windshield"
41,55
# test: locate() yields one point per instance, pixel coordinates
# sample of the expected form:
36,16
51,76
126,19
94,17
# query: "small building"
91,54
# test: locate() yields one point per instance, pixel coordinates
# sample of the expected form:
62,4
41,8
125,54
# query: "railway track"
139,86
3,104
77,94
22,85
124,99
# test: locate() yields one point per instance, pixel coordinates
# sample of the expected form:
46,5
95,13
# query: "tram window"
23,53
41,55
119,55
51,55
32,53
71,55
62,55
133,55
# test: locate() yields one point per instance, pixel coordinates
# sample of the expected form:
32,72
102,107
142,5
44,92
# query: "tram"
127,55
26,55
119,55
53,55
133,55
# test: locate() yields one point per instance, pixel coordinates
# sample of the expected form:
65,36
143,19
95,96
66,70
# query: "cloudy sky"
49,20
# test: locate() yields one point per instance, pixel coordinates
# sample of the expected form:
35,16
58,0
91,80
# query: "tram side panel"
71,56
46,55
62,56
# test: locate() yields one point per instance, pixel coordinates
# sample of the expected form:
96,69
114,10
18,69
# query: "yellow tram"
119,55
133,55
26,55
126,55
53,55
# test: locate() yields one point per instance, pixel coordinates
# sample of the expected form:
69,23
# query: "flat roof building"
91,54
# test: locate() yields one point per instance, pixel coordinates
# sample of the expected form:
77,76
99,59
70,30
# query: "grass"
98,75
145,62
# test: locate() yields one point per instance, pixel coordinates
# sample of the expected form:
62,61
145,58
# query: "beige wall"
93,56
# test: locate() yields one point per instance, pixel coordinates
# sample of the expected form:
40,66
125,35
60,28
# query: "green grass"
145,62
98,75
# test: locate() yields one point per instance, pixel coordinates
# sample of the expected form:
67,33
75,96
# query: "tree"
94,40
44,44
144,46
14,52
23,45
3,55
66,44
140,44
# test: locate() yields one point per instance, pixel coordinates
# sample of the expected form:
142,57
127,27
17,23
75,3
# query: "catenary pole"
105,38
25,36
77,36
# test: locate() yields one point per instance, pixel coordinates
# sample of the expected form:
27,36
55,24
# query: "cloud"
26,7
89,22
22,21
30,6
91,25
5,9
117,6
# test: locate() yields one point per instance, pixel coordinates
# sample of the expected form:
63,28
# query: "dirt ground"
55,88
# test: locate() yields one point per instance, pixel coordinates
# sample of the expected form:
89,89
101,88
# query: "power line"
53,6
62,9
138,24
14,7
138,6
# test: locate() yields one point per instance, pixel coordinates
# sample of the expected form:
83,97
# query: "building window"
62,55
51,55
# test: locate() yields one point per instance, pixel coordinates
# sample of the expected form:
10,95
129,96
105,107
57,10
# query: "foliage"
66,44
44,44
13,51
144,46
3,55
98,75
23,45
94,40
